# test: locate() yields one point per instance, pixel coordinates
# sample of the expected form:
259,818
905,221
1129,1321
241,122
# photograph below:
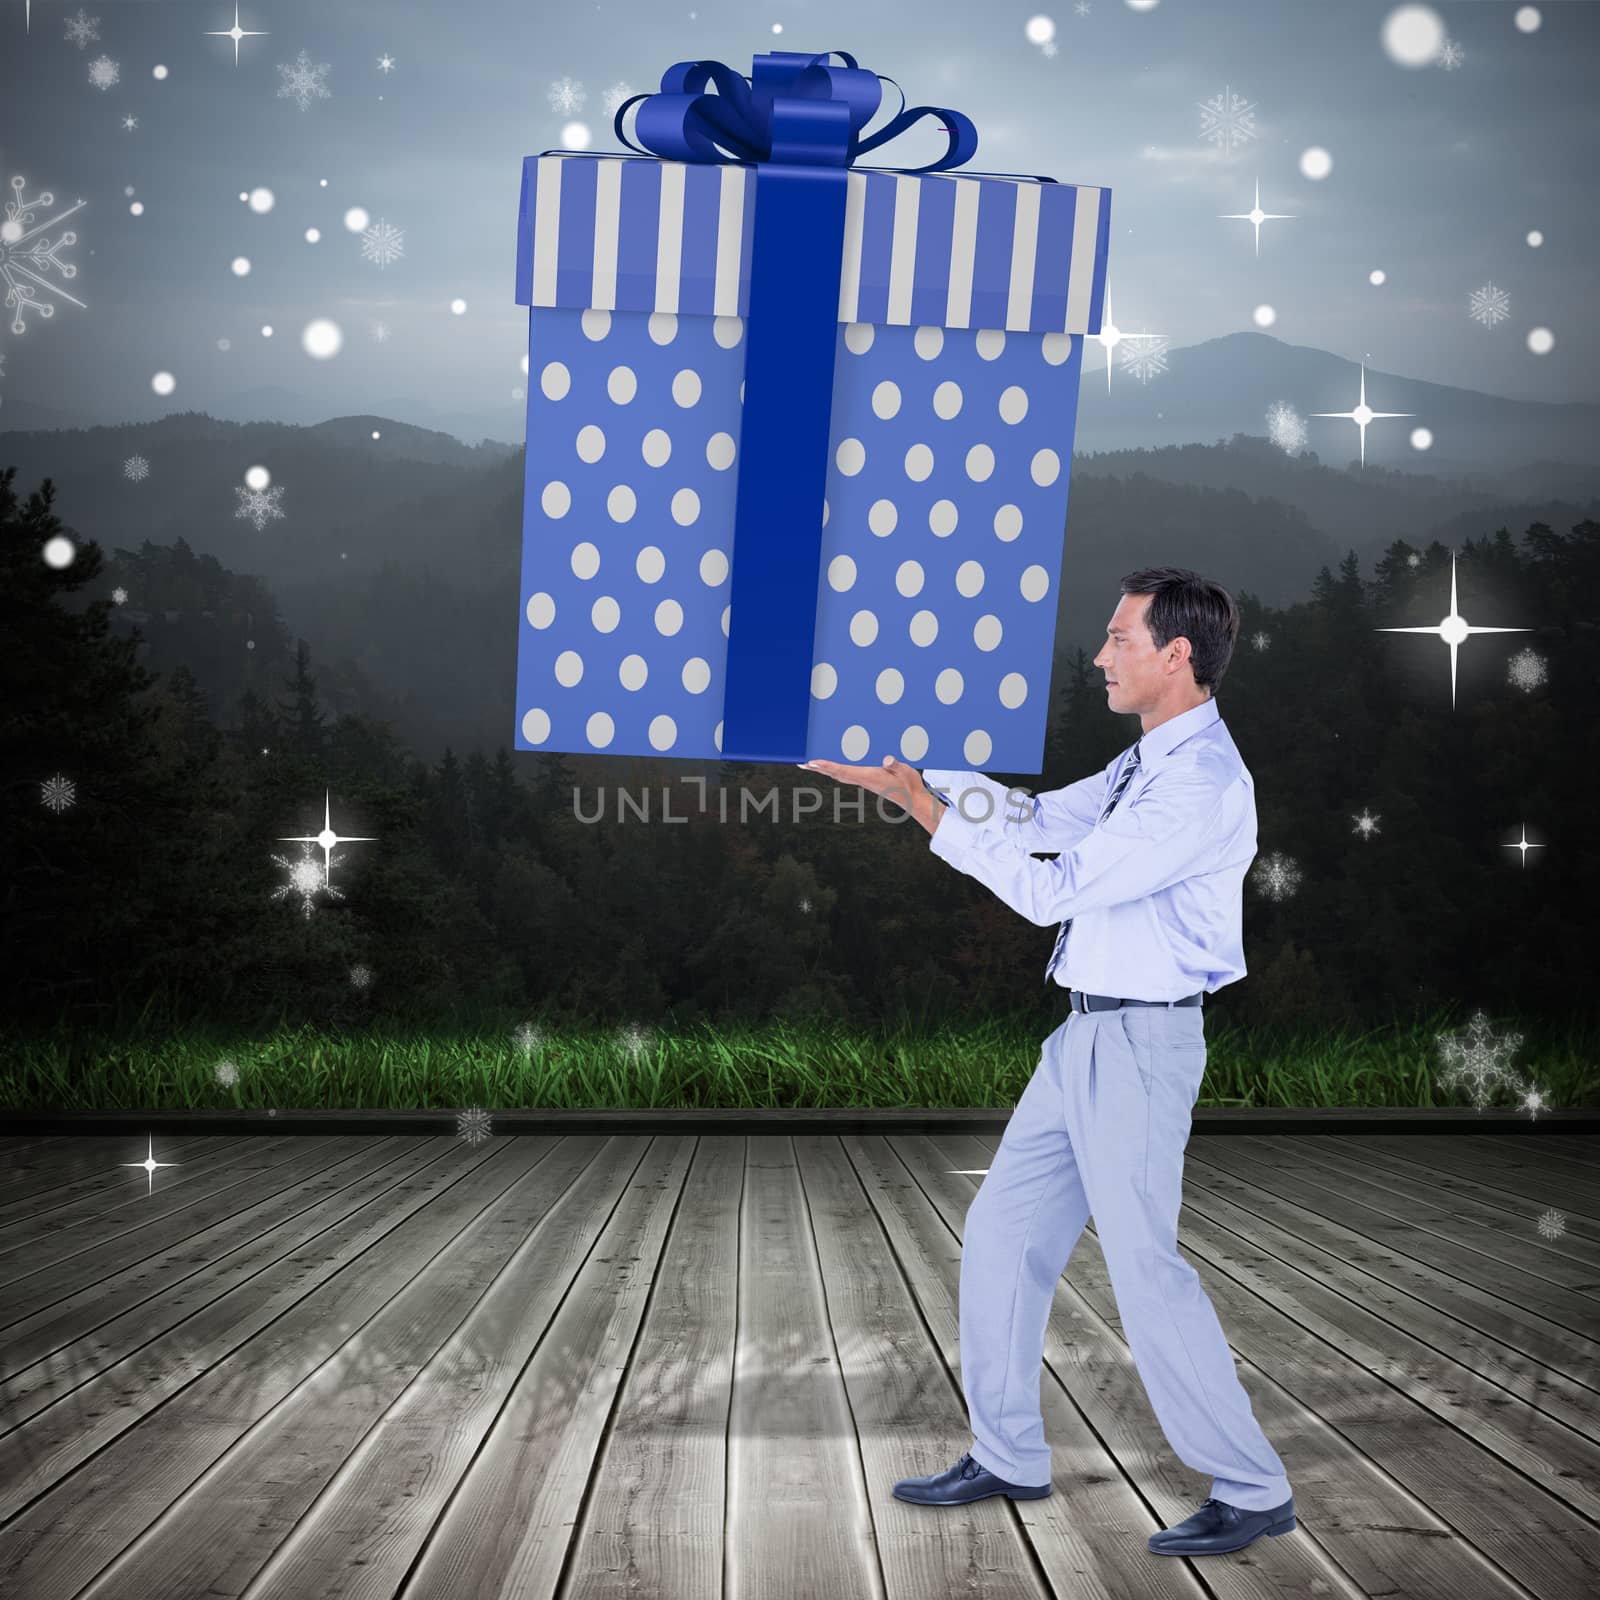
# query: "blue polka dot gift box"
799,432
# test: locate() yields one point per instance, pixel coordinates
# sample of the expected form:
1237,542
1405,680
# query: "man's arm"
1147,844
1055,820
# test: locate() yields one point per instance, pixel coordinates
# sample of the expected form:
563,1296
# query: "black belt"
1110,1002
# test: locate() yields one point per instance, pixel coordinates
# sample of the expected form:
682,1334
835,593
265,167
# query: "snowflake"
82,30
527,1038
1144,360
380,332
382,243
1525,670
26,260
1286,427
1533,1101
614,97
1450,55
1480,1062
129,124
1278,876
1227,120
1489,305
1413,560
805,904
303,82
566,96
103,72
305,879
1552,1224
386,62
361,975
634,1039
258,505
1048,49
1082,8
1366,824
58,793
226,1073
119,596
473,1125
1261,639
136,469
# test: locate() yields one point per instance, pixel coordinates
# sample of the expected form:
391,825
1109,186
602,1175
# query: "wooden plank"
27,1180
66,1343
664,1452
228,1375
1347,1247
1428,1426
1517,1175
1583,1147
279,1468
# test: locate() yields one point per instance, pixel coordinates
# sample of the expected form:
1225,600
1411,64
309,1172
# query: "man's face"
1130,662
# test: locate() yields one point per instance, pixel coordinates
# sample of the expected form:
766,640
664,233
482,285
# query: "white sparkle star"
236,33
1363,414
1257,216
1110,336
150,1165
1453,630
1524,844
327,838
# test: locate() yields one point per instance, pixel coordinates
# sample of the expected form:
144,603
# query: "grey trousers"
1101,1129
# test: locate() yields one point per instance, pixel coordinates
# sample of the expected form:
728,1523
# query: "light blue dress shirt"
1155,892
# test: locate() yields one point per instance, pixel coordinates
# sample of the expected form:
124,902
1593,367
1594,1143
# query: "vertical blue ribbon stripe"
795,130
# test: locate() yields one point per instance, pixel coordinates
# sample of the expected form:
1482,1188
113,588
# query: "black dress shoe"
1218,1527
967,1480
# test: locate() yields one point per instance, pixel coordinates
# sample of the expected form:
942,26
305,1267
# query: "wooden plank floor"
693,1365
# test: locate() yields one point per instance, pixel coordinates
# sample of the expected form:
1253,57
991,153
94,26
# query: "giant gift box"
799,434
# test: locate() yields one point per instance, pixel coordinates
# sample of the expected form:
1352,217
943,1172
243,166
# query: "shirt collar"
1162,740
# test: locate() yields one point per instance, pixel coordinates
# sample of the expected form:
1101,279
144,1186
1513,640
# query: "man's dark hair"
1203,612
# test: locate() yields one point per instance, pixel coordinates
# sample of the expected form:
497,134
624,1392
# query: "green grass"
780,1065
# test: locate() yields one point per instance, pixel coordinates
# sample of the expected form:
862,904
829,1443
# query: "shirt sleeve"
1055,820
1149,843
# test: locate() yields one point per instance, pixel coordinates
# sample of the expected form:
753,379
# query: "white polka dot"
1056,347
663,732
919,462
947,399
622,385
686,387
541,609
824,511
987,631
536,726
1035,584
854,742
596,324
858,338
555,380
714,568
685,507
824,680
977,748
969,578
1013,404
909,578
924,629
633,672
696,674
949,686
1008,522
727,613
914,742
1046,467
669,617
942,517
600,730
591,443
605,614
720,451
569,668
727,331
650,563
621,503
980,463
928,342
741,402
656,447
841,574
886,399
990,342
882,517
863,628
585,559
890,686
851,456
663,327
1013,690
716,736
556,498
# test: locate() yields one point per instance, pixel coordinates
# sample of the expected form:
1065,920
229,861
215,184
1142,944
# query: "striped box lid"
631,233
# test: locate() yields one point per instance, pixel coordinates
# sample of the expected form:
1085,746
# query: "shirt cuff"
954,836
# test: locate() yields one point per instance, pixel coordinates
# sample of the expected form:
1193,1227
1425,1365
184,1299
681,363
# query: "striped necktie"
1130,767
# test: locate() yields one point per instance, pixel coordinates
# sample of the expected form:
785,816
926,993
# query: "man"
1148,891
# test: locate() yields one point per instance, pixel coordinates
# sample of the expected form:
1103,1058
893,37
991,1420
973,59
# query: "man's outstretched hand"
894,780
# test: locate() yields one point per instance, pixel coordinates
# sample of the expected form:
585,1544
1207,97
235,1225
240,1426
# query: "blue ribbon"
798,121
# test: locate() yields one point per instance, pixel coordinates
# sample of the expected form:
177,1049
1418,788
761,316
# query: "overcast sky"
1437,175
